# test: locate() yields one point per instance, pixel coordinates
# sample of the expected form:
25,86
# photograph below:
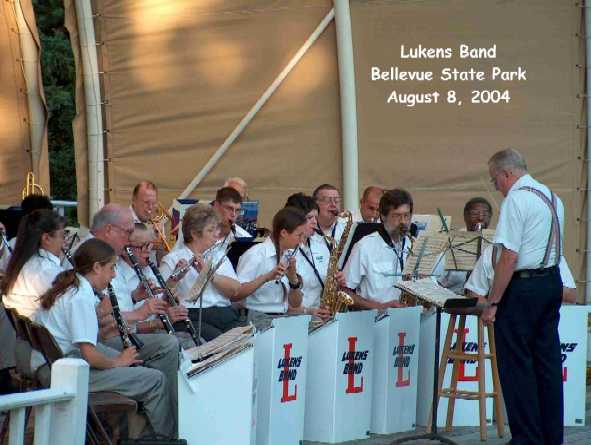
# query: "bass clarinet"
140,274
173,302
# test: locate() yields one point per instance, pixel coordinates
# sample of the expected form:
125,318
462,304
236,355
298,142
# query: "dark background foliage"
57,64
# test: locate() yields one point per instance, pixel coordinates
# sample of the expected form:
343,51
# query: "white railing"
60,412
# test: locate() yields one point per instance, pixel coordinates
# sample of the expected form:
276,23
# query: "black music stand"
453,303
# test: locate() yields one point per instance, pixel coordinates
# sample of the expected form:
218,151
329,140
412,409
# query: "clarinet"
128,338
173,302
138,270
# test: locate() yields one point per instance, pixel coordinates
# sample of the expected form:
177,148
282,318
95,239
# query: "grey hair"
196,218
508,159
109,214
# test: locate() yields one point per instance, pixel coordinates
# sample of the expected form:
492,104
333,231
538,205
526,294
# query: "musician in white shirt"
114,225
312,259
328,199
268,271
69,313
35,261
369,205
377,260
477,215
201,227
227,204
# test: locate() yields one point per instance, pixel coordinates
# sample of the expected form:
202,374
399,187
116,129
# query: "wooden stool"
457,355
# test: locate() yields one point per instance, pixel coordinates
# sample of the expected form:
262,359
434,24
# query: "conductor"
524,301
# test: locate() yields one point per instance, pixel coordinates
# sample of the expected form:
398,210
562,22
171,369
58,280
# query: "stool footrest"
465,395
466,356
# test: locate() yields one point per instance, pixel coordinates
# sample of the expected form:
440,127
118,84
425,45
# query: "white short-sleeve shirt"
258,260
524,224
374,267
34,279
212,297
72,318
313,254
483,274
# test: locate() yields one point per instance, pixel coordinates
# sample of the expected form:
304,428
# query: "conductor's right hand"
127,357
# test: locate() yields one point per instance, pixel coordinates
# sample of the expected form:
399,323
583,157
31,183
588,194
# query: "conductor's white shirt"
483,274
374,267
34,279
313,254
524,224
212,297
271,297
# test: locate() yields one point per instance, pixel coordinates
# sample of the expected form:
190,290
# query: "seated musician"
267,271
69,314
377,260
227,205
114,225
131,294
35,261
239,185
481,278
328,199
144,201
369,205
201,226
28,205
32,268
477,215
312,259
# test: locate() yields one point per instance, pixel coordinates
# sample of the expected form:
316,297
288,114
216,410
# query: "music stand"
450,303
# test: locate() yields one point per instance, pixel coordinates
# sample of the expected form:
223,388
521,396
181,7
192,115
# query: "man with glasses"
524,301
477,215
328,199
377,260
114,225
369,205
227,205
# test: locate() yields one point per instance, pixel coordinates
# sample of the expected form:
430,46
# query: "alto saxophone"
332,298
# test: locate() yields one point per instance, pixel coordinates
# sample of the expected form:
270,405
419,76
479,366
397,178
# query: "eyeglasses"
477,213
128,231
144,246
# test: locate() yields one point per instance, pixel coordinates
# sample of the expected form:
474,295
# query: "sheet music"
213,352
427,251
429,291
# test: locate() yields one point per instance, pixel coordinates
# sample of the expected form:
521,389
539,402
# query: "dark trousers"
529,361
215,320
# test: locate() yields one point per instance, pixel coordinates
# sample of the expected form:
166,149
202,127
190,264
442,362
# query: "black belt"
535,273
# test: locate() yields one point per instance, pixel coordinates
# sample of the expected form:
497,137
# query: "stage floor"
471,436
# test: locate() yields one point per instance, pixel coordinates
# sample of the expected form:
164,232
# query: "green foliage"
57,64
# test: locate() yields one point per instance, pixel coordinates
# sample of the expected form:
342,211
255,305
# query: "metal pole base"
425,436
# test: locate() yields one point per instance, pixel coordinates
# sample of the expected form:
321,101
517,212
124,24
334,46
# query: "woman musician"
268,273
201,226
68,312
35,261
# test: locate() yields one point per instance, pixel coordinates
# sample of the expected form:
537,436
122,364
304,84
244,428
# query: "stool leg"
498,397
443,363
481,381
460,337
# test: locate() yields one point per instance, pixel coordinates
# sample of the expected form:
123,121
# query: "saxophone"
332,298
